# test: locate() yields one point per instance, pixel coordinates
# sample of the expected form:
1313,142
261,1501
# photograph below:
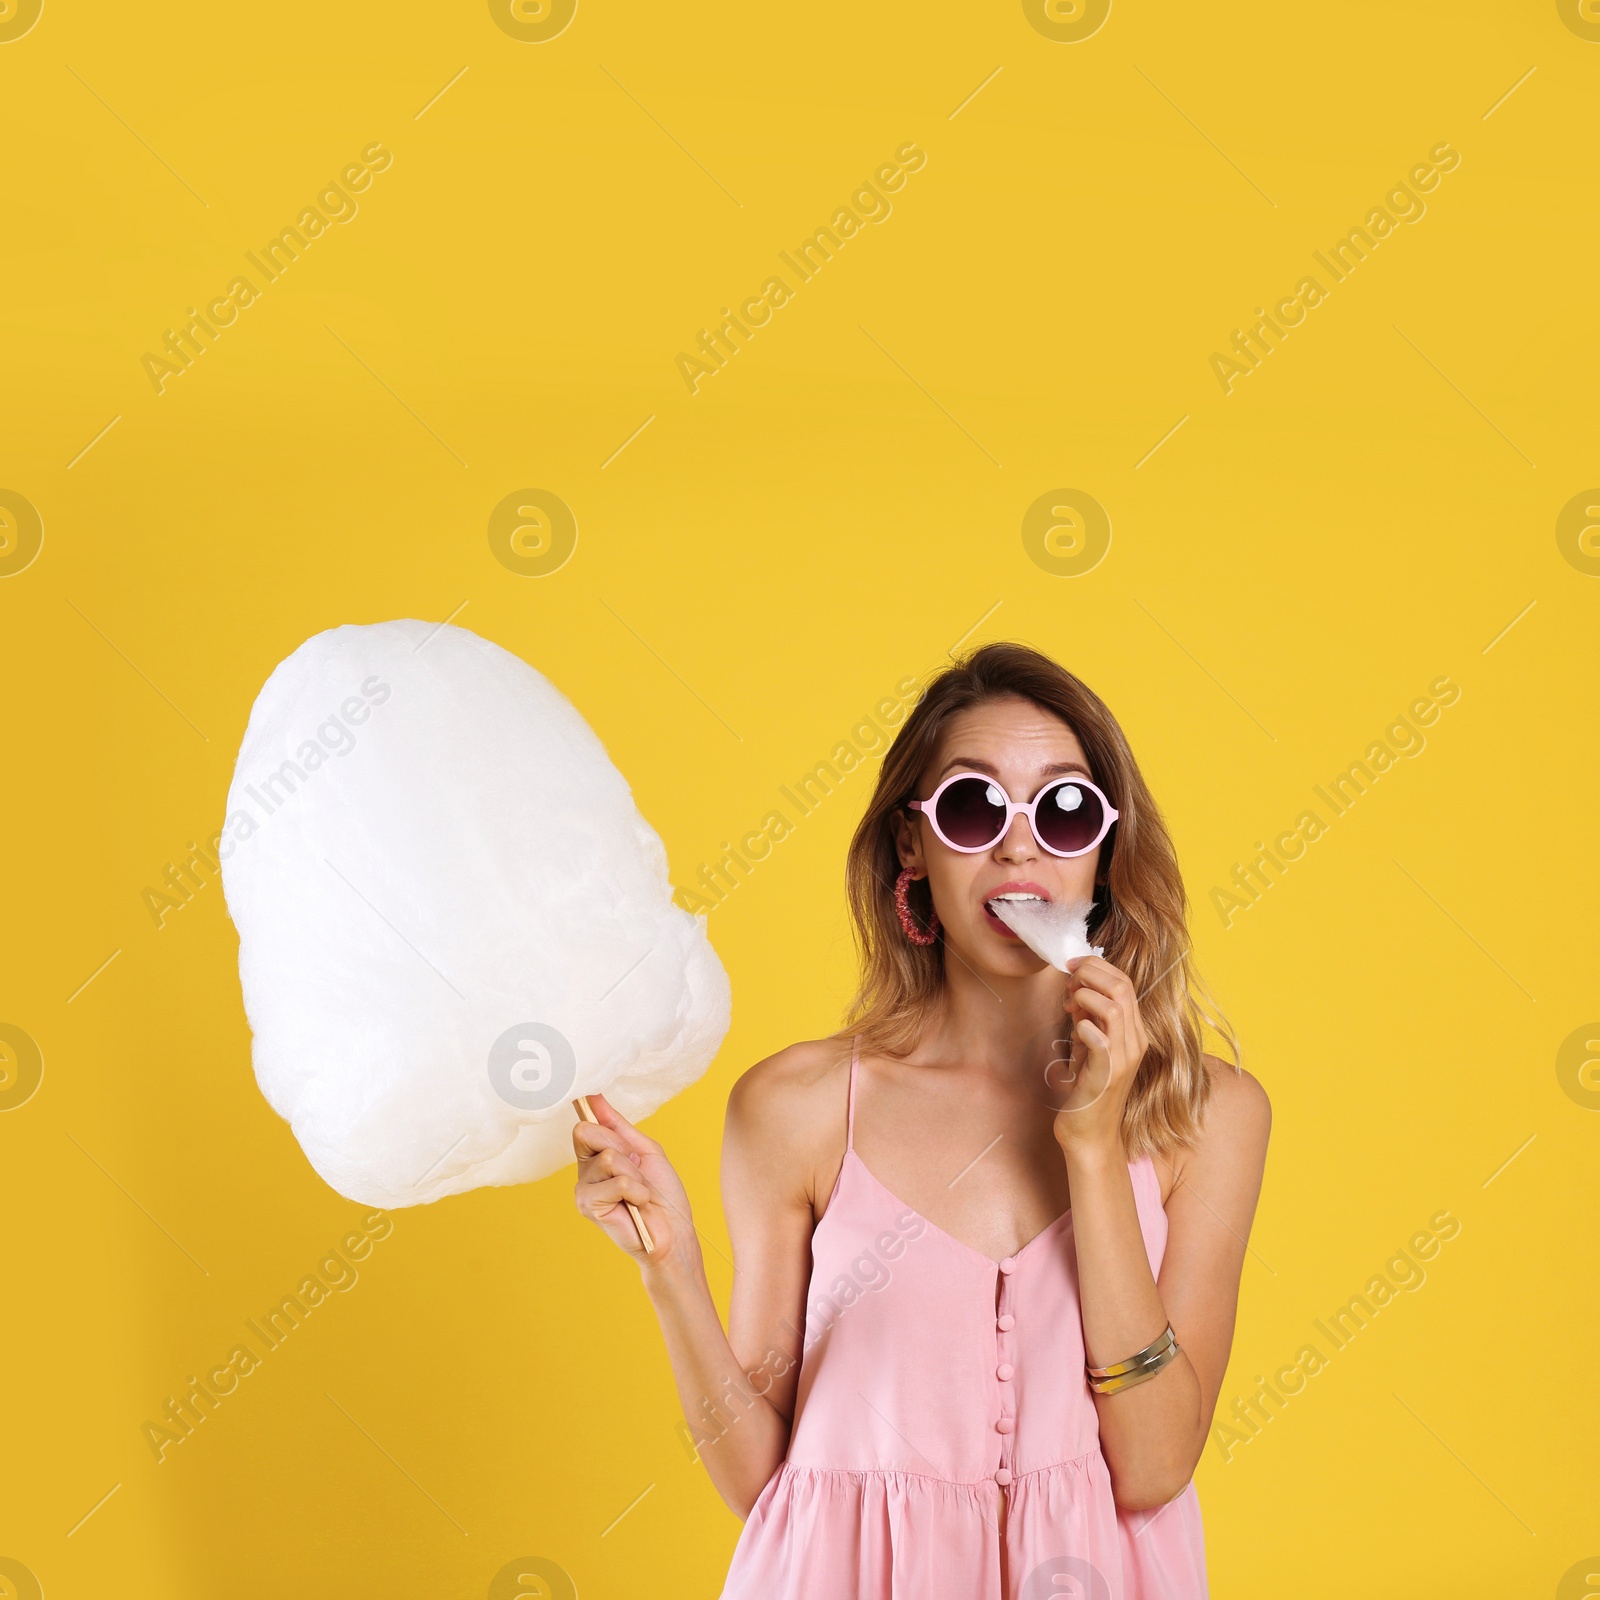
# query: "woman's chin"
991,954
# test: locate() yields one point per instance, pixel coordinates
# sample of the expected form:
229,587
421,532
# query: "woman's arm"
737,1393
1152,1434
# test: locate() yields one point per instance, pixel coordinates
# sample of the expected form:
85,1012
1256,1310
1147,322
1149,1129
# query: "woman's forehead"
1011,733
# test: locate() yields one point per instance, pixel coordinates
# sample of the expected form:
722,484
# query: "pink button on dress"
945,1442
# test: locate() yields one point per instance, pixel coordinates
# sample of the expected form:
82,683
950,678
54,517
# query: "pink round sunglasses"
971,812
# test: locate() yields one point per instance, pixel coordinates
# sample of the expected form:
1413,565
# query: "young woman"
987,1238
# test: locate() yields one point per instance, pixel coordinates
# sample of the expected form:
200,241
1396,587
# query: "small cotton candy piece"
1055,930
452,918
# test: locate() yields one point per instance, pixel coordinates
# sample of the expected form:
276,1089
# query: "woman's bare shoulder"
787,1113
1235,1126
1237,1100
790,1090
1228,1156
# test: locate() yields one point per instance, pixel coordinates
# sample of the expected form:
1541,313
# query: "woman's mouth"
1010,891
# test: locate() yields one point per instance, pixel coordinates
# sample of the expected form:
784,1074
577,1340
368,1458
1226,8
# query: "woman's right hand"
617,1163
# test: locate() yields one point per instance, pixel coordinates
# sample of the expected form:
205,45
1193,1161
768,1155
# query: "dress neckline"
1016,1255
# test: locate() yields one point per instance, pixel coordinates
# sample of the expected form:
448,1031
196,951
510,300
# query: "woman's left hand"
1108,1043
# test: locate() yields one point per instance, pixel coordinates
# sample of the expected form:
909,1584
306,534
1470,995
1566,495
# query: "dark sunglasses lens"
971,812
1069,816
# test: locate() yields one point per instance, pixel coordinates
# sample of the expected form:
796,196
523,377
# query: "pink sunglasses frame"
929,809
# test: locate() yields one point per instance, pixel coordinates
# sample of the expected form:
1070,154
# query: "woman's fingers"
611,1118
607,1195
610,1163
1108,984
1107,1013
1097,972
1106,994
617,1163
1095,976
1093,1037
589,1138
598,1137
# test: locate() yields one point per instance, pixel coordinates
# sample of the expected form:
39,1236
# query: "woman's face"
1022,748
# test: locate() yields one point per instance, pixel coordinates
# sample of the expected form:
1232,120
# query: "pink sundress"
945,1442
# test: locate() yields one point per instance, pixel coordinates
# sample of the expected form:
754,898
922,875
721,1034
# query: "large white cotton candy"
452,917
1055,930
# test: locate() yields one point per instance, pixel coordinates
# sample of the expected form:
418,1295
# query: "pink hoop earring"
902,905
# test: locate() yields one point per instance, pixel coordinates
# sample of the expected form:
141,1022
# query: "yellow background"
1372,508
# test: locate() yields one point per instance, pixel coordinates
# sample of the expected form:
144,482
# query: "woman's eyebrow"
1054,768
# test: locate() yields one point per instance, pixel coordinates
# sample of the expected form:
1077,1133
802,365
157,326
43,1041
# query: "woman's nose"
1018,843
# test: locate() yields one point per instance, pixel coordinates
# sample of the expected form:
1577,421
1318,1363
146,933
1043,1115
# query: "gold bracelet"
1156,1347
1137,1368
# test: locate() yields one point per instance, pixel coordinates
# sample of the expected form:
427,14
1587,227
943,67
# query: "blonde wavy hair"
1140,912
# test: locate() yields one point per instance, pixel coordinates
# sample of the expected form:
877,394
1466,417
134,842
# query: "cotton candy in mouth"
1055,930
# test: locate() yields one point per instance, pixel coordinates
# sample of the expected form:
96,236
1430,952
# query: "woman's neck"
985,1018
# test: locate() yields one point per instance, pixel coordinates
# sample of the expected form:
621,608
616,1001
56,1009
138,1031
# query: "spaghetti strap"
850,1113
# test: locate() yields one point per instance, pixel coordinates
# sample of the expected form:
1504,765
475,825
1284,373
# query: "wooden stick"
586,1112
